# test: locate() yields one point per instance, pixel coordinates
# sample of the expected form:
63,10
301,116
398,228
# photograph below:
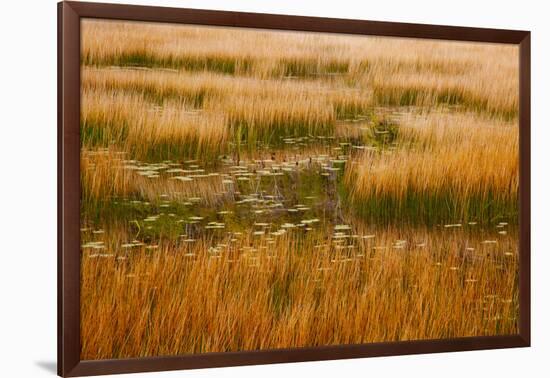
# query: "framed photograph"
239,188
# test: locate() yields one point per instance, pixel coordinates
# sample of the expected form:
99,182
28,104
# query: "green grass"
301,67
383,133
351,110
390,96
194,98
247,133
432,209
220,64
98,132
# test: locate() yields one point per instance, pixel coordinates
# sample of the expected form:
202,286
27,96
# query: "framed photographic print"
239,188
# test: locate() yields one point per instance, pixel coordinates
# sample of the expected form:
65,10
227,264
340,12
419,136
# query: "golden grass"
107,176
498,97
177,300
206,111
413,142
403,71
127,121
103,176
447,158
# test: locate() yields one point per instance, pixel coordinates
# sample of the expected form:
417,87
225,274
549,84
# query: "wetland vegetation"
246,189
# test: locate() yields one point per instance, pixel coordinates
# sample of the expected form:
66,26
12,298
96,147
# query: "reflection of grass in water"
134,212
247,134
282,194
163,226
191,148
112,210
381,134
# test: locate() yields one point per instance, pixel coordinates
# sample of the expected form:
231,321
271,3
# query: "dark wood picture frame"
69,16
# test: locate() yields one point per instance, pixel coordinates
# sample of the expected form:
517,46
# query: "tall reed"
296,293
449,168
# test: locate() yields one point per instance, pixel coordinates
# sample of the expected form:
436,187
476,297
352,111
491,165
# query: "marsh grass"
447,168
124,121
399,72
247,189
186,300
108,179
404,94
220,64
187,116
